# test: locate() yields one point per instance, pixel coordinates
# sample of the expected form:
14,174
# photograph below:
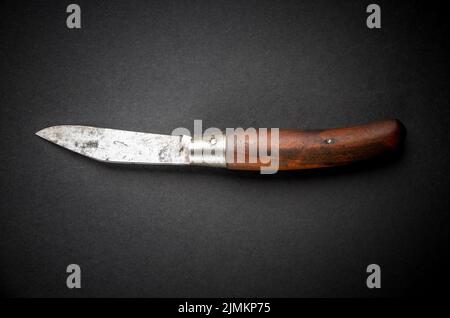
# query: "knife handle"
299,149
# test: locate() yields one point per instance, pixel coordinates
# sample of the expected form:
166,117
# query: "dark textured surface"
157,232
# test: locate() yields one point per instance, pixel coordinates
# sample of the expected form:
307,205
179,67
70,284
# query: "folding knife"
240,150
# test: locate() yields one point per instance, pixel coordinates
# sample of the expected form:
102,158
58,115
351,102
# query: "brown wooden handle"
325,148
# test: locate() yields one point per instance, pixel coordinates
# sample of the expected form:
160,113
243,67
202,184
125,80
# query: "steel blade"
120,146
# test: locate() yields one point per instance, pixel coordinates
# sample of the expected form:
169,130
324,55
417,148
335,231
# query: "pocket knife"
296,149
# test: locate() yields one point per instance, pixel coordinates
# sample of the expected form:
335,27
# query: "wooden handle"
324,148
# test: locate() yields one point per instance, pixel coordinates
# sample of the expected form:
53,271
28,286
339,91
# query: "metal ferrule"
208,150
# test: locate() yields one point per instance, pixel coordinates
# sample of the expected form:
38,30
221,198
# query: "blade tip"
40,133
44,133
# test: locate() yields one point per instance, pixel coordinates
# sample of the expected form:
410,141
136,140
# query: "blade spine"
104,128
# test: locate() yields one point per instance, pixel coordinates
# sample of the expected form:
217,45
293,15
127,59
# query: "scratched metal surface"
119,146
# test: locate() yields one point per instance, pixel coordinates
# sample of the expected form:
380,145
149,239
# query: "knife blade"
119,146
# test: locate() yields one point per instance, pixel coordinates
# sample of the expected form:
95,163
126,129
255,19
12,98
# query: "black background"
193,232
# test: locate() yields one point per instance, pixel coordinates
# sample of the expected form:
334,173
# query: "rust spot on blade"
90,144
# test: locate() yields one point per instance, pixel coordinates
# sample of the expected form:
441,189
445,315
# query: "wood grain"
300,149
